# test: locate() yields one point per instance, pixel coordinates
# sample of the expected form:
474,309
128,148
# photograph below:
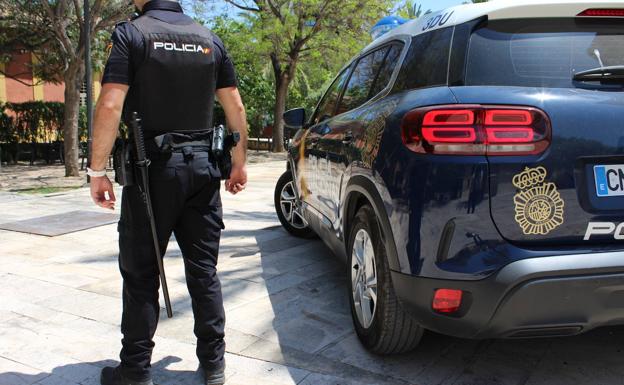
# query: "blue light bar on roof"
386,25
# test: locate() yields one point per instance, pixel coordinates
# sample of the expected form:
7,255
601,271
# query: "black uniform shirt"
128,48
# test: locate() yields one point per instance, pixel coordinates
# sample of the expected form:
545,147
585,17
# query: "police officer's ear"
137,11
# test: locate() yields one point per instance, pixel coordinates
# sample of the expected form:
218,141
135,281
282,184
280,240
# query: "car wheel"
286,207
380,322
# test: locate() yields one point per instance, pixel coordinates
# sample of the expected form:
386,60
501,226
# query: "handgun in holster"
221,149
123,162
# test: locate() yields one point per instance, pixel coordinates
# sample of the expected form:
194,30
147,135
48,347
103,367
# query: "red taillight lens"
449,134
477,130
448,117
447,301
509,134
508,117
602,13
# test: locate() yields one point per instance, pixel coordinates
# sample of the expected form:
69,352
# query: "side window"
364,75
426,63
385,74
327,106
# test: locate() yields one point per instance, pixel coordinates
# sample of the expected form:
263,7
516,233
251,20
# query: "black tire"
392,330
297,231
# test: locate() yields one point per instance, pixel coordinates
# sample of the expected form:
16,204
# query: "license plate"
609,180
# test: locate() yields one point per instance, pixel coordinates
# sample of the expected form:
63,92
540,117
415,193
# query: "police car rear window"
542,52
426,63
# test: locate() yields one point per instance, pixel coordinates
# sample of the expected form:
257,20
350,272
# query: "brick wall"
15,91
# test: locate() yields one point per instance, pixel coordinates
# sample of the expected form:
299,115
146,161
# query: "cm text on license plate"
609,180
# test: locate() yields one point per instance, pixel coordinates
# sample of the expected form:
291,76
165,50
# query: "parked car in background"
469,168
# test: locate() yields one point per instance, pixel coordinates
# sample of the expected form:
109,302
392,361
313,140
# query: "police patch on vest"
539,207
109,49
181,47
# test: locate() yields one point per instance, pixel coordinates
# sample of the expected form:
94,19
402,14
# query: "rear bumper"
547,296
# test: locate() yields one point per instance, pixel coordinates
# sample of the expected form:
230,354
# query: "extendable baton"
143,165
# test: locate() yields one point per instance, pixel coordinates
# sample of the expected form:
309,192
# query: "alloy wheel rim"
289,207
364,278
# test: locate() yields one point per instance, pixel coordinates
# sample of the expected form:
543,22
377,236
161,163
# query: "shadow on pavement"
313,328
88,373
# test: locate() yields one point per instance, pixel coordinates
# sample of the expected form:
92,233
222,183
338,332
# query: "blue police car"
469,168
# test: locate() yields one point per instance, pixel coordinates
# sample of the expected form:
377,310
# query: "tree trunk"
281,93
73,81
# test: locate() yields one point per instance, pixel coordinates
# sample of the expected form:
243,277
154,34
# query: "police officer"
169,69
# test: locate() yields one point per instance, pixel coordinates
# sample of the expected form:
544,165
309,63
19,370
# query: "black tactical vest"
174,87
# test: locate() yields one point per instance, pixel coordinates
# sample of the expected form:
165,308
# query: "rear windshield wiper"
604,74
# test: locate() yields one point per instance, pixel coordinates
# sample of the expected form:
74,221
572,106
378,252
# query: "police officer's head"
141,3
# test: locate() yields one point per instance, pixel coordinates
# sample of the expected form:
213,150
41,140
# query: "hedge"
36,122
25,127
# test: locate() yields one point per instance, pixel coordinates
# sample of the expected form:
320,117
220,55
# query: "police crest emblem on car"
539,207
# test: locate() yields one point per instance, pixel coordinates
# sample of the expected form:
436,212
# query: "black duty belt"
185,143
179,142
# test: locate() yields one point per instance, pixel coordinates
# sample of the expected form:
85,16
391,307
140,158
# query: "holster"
123,162
225,165
225,160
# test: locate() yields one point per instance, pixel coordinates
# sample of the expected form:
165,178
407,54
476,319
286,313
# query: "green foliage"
26,24
299,43
411,10
254,76
7,134
54,32
34,122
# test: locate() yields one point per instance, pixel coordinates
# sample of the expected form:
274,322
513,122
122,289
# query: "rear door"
561,195
314,168
348,126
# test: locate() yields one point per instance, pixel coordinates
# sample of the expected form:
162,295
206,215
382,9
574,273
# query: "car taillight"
602,13
447,301
477,130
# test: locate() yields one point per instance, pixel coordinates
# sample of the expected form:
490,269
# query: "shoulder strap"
139,27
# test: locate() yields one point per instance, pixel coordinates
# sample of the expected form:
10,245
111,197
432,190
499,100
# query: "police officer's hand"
100,187
237,181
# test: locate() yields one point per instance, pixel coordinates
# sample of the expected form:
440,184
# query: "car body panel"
549,296
585,124
495,10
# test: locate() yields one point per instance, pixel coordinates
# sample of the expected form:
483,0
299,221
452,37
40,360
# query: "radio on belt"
218,139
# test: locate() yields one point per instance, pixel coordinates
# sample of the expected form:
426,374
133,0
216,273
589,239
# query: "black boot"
215,377
113,376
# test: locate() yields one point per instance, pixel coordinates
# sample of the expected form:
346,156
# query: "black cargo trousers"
185,190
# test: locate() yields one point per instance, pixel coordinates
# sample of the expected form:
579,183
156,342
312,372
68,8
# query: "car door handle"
348,138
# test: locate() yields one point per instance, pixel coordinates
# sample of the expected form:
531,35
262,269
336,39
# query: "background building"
17,83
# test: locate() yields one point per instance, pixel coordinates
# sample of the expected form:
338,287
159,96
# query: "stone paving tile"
324,379
57,273
86,304
15,373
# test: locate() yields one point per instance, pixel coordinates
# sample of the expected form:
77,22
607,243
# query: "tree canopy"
302,41
53,30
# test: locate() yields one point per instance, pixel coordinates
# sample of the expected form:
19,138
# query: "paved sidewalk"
288,319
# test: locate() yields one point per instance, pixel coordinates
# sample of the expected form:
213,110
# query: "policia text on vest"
194,48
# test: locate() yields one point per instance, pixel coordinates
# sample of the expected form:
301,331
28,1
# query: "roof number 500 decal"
438,21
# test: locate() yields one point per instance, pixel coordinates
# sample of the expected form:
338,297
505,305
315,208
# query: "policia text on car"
169,69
